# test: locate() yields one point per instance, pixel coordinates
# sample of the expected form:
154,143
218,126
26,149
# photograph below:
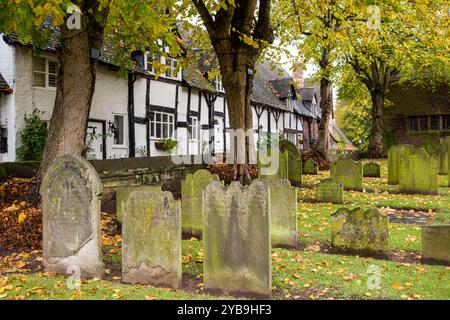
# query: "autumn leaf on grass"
21,217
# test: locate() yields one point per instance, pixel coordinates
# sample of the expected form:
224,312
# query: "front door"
94,141
218,134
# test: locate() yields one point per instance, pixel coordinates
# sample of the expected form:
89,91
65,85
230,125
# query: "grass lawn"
311,272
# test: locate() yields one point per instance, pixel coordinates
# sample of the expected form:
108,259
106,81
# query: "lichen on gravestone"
329,191
71,195
349,173
359,230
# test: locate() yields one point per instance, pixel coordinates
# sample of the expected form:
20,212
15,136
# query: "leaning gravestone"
151,237
349,173
418,173
283,213
330,191
310,167
371,170
71,191
359,230
122,198
395,155
436,244
191,206
237,239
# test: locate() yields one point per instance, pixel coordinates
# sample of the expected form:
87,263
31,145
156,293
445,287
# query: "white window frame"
194,129
46,72
122,145
170,125
164,61
219,84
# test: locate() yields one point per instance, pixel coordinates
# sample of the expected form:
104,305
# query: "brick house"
418,115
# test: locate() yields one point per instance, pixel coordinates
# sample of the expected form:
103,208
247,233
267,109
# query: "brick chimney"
298,74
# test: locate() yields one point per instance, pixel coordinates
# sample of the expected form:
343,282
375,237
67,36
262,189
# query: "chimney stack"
298,74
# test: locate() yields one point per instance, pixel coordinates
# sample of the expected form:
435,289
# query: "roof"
302,109
283,88
338,135
4,86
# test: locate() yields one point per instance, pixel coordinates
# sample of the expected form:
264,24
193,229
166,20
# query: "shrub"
33,137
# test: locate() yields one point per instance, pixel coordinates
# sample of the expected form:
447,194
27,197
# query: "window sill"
119,146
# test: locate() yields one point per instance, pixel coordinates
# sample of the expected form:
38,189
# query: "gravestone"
395,154
294,162
237,239
122,198
359,230
330,191
310,167
371,170
151,237
70,192
274,171
283,213
418,173
436,244
191,205
349,173
445,155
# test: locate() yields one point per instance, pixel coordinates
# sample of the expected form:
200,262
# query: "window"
119,130
171,65
193,128
435,123
413,124
219,84
162,125
446,122
3,140
423,123
45,72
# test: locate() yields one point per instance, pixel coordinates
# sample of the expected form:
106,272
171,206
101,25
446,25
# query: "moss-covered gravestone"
418,173
294,162
70,192
191,205
273,166
445,155
122,198
436,244
371,170
151,237
283,213
349,173
330,191
237,239
310,167
395,154
359,230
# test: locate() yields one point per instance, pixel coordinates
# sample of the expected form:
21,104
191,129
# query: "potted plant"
166,145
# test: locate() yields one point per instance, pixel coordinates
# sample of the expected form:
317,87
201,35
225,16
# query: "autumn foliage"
226,172
20,220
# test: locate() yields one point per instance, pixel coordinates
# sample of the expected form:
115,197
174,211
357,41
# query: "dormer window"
218,84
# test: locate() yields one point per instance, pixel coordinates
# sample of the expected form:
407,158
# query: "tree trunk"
75,87
326,103
376,138
238,86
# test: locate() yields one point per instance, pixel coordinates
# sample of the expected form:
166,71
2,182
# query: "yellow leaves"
411,238
117,294
149,297
296,276
22,217
395,285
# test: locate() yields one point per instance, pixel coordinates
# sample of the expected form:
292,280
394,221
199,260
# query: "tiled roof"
302,110
4,87
282,87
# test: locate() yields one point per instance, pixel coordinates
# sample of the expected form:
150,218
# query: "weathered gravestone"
436,244
283,213
394,161
445,156
191,206
359,230
294,162
122,198
270,169
151,237
418,173
438,152
330,191
371,170
349,173
70,192
237,239
310,167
